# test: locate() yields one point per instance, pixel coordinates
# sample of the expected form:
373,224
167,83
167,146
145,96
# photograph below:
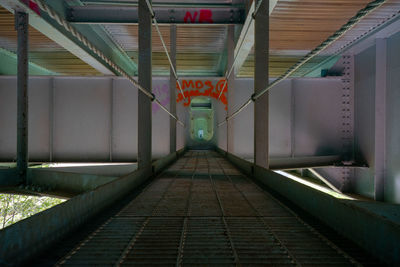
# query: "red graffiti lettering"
189,16
205,16
32,5
209,84
199,84
186,84
194,91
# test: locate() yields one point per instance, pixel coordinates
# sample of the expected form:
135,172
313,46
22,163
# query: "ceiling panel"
198,39
296,27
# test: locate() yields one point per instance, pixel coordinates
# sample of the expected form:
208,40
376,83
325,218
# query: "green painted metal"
372,225
100,37
94,34
9,178
201,120
325,64
8,65
222,63
64,184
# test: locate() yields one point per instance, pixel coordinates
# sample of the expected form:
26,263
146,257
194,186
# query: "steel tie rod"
228,72
371,6
153,16
60,20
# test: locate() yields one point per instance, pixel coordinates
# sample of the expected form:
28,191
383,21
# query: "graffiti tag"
194,88
205,16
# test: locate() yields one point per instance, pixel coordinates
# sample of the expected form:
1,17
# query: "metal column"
380,119
261,107
230,55
144,75
172,90
21,25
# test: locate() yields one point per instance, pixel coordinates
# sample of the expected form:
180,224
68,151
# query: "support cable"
54,15
164,46
371,6
228,72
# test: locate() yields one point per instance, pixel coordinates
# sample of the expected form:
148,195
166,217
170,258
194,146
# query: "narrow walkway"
203,211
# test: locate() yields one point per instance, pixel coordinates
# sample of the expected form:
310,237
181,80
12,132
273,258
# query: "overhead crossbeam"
246,38
370,7
45,23
111,14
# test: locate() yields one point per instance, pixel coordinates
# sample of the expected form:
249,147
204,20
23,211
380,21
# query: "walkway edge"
24,239
375,233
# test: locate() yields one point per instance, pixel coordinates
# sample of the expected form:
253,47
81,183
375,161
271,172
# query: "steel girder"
41,21
111,14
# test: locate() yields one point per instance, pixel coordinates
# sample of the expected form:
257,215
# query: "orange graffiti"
202,88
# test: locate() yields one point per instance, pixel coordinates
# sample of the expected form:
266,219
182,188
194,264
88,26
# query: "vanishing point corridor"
201,211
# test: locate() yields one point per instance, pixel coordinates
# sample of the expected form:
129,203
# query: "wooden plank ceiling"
296,27
42,50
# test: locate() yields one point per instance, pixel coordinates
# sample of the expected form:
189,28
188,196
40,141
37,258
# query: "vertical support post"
292,119
380,119
347,114
51,118
231,79
261,105
21,25
144,75
111,132
172,90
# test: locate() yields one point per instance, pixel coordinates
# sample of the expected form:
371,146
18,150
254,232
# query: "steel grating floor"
203,211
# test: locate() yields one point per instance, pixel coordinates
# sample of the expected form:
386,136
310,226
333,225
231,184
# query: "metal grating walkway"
203,211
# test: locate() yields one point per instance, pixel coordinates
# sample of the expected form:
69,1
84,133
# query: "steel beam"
373,226
50,28
22,25
64,184
315,71
304,162
8,65
324,180
41,21
380,119
111,14
246,38
261,106
172,90
24,239
9,178
145,77
231,90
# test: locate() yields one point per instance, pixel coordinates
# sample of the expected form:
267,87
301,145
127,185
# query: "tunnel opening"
201,123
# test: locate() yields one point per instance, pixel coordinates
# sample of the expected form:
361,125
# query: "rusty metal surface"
203,211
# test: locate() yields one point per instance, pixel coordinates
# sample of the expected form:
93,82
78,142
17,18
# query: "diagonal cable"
371,6
228,72
67,26
164,46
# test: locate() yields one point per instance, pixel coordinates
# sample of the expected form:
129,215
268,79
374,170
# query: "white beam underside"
52,33
248,37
